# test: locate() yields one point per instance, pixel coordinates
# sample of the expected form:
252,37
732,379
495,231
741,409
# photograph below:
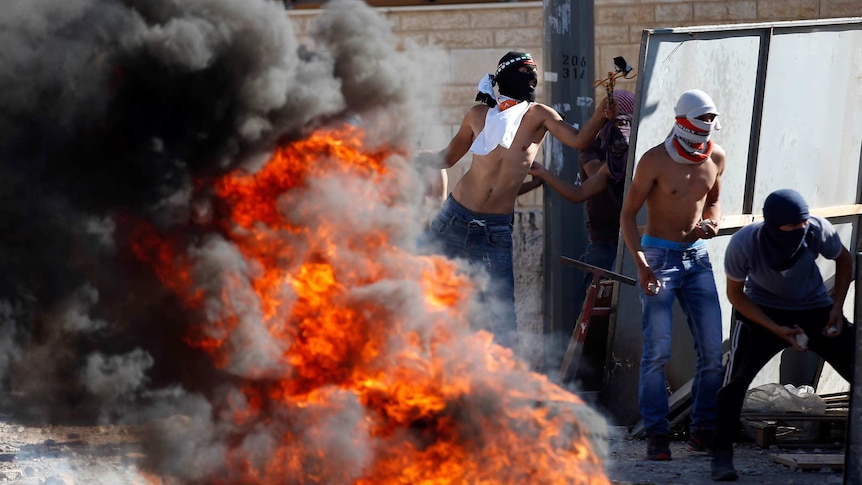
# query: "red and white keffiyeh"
689,141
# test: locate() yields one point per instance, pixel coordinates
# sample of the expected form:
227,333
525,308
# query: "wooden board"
806,461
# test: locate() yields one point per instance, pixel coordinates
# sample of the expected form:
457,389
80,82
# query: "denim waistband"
657,242
454,208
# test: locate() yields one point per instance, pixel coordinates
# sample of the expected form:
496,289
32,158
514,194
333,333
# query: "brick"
534,16
840,8
615,2
500,19
523,36
675,13
437,20
469,65
611,33
709,12
669,2
458,95
414,38
624,14
636,32
461,38
786,9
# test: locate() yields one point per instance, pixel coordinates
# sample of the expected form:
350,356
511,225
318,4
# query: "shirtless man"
679,180
504,134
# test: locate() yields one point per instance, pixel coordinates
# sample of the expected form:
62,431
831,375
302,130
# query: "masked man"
503,134
679,180
779,301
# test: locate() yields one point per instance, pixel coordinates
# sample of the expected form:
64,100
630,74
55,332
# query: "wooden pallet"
766,425
806,461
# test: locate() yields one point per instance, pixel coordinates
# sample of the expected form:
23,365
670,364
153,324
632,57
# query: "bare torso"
491,184
675,202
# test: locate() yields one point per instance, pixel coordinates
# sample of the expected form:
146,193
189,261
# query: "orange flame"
378,378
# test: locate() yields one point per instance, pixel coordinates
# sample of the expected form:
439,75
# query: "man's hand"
537,170
788,334
648,282
835,324
609,110
706,229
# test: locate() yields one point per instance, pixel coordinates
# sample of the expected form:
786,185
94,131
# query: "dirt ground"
67,455
628,464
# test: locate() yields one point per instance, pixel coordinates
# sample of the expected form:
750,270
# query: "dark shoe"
658,447
722,467
701,441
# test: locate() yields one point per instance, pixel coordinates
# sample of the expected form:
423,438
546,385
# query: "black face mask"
782,249
516,84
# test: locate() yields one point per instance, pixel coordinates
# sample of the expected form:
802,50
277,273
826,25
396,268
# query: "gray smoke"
117,120
113,113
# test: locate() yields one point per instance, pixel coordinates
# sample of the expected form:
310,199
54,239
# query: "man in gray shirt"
779,300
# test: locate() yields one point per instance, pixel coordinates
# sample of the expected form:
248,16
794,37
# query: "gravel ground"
67,455
628,465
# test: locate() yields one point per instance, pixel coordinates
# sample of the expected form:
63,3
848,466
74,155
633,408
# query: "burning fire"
354,355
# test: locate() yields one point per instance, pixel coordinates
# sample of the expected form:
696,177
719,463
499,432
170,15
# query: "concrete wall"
476,36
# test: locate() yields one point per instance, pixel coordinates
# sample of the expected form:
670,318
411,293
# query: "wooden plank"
740,220
829,416
807,461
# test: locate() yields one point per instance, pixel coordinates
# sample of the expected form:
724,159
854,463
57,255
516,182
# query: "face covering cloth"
689,140
782,249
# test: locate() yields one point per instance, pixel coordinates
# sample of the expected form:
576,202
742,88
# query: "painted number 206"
574,67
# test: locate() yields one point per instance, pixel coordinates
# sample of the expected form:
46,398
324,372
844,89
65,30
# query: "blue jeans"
601,254
485,241
686,274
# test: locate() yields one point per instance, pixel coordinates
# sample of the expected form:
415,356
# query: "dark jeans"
485,242
601,254
752,346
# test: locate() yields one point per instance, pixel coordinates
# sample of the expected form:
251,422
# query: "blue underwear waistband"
657,242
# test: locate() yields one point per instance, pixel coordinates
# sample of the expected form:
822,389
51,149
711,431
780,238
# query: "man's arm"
843,276
534,183
639,190
569,191
743,304
457,147
592,166
571,136
712,207
460,143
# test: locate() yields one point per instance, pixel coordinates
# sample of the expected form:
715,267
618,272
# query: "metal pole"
568,75
853,447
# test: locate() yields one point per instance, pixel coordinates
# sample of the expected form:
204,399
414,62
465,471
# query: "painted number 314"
574,67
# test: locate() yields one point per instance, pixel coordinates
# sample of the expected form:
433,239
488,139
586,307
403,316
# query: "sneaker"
721,468
658,447
701,441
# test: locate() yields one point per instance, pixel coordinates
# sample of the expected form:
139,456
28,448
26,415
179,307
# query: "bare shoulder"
543,109
653,157
719,156
475,118
542,113
477,111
